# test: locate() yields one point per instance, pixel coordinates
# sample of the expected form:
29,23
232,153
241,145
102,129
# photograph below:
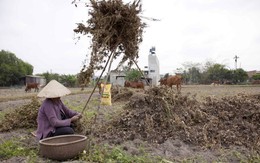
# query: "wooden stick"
142,73
97,83
102,91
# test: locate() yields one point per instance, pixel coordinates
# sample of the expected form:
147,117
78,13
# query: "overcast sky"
40,32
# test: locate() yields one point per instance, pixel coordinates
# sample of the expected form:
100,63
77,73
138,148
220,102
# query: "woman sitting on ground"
54,118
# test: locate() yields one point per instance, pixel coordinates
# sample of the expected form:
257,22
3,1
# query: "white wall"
154,69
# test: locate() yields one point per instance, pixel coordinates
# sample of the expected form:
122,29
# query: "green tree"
133,74
12,69
185,76
194,75
50,76
228,74
239,75
212,72
191,72
216,72
68,80
256,77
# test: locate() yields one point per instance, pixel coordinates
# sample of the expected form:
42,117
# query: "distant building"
252,73
117,78
250,76
153,67
151,72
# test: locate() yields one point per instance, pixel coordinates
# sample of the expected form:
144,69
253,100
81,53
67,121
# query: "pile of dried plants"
22,117
120,94
160,114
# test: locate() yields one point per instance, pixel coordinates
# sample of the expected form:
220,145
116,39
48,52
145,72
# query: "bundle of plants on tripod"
115,28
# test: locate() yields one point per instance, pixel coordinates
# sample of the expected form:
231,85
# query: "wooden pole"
109,67
97,82
142,73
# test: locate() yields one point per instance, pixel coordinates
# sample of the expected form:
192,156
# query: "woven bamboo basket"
62,147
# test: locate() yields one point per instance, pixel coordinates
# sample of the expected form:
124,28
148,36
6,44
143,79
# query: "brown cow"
29,86
172,80
134,84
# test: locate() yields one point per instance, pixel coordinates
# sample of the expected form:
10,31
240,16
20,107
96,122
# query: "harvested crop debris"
22,117
114,27
160,114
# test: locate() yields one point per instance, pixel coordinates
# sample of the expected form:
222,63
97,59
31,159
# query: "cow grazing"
30,86
172,80
163,81
134,84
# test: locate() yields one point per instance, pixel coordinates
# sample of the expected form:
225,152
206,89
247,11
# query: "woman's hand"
79,115
74,118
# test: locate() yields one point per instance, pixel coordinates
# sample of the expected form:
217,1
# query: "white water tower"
153,66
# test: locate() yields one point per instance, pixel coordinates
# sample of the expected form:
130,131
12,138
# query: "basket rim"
66,143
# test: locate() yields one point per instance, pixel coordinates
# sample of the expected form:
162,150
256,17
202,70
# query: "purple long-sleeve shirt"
49,117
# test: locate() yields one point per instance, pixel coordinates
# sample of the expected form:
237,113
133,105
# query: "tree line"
66,80
13,69
196,73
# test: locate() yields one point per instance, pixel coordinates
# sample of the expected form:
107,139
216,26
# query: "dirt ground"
200,91
171,149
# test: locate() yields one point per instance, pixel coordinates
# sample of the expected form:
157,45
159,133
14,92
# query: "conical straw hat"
54,89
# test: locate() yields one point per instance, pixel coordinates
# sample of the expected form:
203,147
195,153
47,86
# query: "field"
109,141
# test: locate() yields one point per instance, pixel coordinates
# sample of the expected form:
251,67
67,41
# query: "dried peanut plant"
115,28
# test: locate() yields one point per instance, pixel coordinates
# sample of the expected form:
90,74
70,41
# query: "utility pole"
236,57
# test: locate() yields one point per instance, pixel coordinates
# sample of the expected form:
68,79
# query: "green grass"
113,155
12,147
2,114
